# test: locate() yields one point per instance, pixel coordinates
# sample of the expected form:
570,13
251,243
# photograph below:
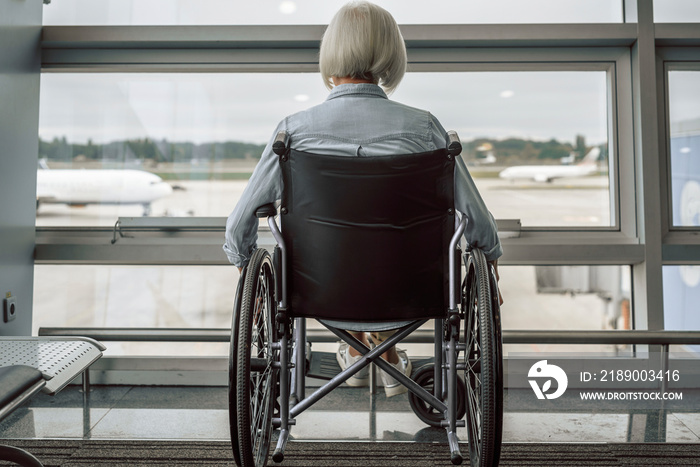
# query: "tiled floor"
201,413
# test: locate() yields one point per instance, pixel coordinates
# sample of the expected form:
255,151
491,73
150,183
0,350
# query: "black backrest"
368,237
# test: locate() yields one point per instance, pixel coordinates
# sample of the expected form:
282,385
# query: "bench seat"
32,364
59,359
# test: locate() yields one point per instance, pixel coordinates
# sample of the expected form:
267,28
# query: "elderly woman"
362,58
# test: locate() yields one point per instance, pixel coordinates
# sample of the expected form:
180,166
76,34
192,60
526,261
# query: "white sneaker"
359,379
391,386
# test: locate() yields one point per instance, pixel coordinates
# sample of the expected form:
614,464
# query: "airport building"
129,132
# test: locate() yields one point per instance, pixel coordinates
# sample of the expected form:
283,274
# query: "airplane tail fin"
42,164
591,157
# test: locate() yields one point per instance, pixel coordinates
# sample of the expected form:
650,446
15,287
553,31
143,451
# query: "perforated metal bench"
32,364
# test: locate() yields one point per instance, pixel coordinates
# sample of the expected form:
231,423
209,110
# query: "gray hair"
363,41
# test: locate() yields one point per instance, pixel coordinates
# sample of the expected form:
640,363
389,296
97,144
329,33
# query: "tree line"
145,149
516,149
59,149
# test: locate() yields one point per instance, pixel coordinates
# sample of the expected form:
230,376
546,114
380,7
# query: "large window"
200,134
566,298
536,142
225,12
138,297
189,108
681,296
676,11
191,297
684,116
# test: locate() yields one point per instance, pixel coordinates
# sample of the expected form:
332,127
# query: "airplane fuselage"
80,187
546,173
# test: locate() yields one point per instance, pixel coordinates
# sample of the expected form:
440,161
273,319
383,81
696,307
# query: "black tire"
256,377
483,362
498,361
19,456
232,363
425,377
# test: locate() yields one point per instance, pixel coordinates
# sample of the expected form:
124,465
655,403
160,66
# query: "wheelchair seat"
364,243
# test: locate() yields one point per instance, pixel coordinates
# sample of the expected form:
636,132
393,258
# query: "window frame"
431,48
680,243
674,60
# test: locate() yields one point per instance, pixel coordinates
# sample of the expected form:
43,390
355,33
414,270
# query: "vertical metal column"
652,189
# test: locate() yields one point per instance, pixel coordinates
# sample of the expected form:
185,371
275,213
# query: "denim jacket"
356,120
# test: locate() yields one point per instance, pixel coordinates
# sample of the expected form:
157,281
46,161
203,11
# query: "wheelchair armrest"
267,210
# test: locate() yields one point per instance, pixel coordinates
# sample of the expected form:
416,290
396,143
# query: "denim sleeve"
481,231
264,186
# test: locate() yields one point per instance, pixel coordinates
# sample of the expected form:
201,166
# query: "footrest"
323,365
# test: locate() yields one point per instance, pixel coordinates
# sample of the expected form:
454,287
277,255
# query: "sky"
206,107
247,107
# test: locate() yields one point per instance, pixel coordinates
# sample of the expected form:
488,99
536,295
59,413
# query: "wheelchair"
350,226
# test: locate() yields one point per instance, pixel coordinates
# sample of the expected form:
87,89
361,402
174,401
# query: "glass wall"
681,298
684,121
535,297
528,102
200,134
566,298
225,12
676,11
536,143
137,297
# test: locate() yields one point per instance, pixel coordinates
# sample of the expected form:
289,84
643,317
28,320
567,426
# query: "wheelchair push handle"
281,142
454,146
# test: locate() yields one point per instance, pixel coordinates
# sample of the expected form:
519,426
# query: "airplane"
78,188
547,173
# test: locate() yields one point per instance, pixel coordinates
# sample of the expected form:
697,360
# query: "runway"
583,202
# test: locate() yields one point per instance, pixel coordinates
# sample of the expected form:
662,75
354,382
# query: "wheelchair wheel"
483,362
232,378
256,377
425,377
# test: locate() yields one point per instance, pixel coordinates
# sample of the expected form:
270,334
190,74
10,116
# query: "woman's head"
363,42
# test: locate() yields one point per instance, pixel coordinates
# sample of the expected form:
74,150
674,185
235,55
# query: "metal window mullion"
647,276
180,60
621,129
664,147
309,36
677,34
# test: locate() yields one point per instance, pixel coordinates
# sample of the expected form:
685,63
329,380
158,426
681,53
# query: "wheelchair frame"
267,365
